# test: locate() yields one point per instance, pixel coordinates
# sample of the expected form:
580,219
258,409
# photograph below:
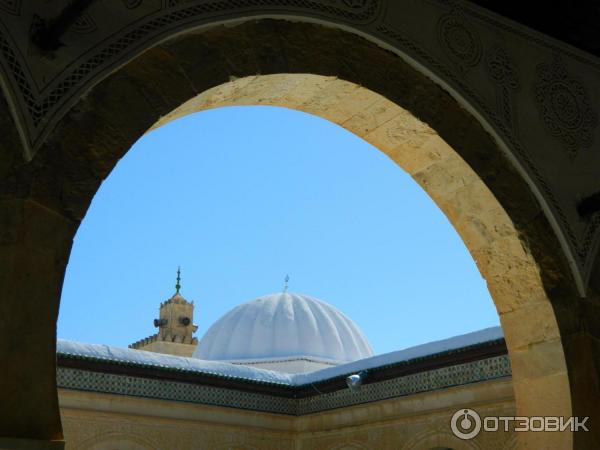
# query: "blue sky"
242,196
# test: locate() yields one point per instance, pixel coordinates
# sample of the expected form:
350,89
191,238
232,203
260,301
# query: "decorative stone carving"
131,4
459,41
564,106
356,4
41,87
582,244
329,6
84,25
11,7
501,68
502,71
41,106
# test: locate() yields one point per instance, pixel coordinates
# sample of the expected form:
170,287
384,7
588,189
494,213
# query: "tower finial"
178,285
285,286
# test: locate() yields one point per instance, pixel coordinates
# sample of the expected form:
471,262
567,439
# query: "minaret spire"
178,285
285,286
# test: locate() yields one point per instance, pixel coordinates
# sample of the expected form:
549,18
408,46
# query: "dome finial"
178,285
286,280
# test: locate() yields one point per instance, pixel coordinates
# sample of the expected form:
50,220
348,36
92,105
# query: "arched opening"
512,275
446,150
239,203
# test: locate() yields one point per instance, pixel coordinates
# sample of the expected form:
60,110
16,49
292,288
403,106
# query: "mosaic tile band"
456,375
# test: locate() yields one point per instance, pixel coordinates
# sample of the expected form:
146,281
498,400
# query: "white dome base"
288,365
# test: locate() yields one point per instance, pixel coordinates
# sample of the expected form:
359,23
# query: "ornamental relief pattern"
84,25
459,41
501,69
93,431
436,433
131,4
460,34
350,9
11,6
462,45
40,107
432,436
564,106
103,431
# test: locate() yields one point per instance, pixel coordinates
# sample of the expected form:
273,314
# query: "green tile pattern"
459,374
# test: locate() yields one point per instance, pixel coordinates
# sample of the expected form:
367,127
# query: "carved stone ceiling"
537,96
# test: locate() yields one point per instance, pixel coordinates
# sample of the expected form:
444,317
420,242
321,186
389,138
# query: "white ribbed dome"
284,325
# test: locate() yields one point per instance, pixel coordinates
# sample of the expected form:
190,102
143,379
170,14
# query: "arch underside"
485,63
342,78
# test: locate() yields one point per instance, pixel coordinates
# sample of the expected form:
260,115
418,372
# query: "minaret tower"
175,325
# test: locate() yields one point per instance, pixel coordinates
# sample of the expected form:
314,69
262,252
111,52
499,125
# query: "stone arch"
486,229
411,118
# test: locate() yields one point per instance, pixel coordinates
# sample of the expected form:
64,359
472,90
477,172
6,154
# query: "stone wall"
93,421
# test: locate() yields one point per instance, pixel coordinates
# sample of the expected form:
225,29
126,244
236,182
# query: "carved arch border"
38,108
45,105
